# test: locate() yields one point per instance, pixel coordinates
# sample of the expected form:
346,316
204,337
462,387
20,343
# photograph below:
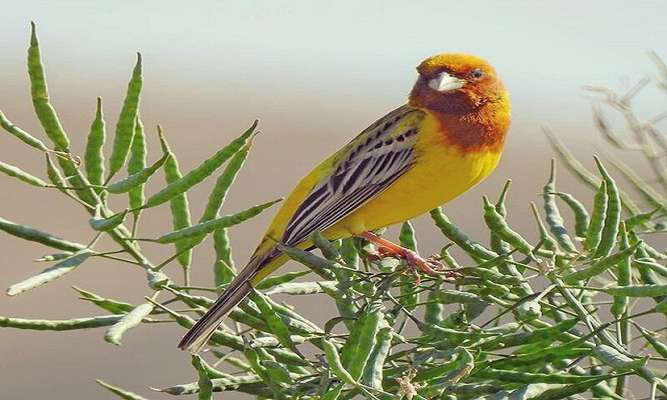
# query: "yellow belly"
440,174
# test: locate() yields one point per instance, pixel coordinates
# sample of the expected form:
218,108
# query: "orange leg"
428,266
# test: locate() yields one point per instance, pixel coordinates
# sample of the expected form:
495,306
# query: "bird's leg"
429,266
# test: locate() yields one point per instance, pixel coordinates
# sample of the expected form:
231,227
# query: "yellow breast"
441,173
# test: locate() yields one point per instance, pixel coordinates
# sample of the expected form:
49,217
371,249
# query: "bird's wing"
368,165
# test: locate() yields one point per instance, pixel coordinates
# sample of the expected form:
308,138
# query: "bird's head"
456,83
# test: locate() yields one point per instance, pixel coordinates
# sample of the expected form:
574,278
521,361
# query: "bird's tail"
236,291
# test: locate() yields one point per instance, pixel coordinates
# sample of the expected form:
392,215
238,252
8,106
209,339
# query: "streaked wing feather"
376,159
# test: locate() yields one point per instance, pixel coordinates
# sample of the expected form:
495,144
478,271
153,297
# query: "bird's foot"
431,266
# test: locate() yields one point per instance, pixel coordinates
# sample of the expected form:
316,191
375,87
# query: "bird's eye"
477,73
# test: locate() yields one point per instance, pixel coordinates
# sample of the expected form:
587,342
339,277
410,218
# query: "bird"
448,137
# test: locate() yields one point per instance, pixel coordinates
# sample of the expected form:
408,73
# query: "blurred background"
315,73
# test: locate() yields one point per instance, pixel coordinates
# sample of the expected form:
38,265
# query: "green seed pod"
34,235
20,134
179,207
612,217
357,348
40,96
274,322
129,321
55,176
99,223
59,325
335,363
113,306
637,290
223,269
126,120
453,233
271,282
596,225
329,251
548,242
123,394
528,377
50,274
434,309
640,219
581,217
660,347
601,265
204,382
302,288
619,362
350,253
201,172
136,180
136,164
409,291
93,160
21,175
554,219
623,274
207,227
498,226
225,182
373,373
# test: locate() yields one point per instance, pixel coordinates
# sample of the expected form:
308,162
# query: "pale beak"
444,82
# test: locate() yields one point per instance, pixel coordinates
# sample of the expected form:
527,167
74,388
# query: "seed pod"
280,279
654,266
434,309
548,242
113,306
274,322
335,363
409,292
223,272
640,219
619,362
225,182
329,251
34,235
129,321
637,290
350,253
612,217
99,223
373,373
178,205
19,174
601,265
40,96
357,348
210,226
137,179
123,394
59,325
623,274
528,377
126,120
93,160
50,274
660,347
200,173
55,176
136,164
499,226
554,219
581,217
476,250
204,382
20,134
302,288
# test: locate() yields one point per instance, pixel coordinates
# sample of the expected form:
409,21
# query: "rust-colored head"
467,97
456,83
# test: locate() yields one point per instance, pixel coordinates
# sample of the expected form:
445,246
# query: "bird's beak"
444,82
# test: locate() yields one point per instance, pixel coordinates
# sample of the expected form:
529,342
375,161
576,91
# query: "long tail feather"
236,291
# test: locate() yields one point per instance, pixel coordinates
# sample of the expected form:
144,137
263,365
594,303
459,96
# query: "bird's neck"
483,129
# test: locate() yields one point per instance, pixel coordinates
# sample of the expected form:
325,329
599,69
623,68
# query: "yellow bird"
447,138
